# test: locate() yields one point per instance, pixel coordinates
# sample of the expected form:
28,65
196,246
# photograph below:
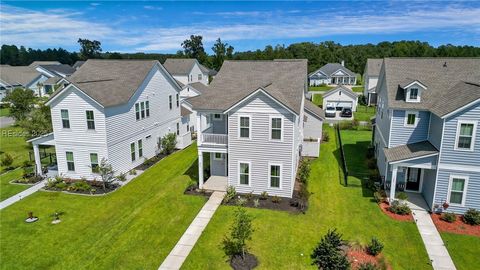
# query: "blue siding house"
426,127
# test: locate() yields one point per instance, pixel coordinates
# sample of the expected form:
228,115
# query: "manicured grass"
318,99
357,88
7,189
364,113
464,250
4,112
132,228
285,241
320,88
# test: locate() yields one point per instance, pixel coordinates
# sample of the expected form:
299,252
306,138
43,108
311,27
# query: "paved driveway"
337,118
6,121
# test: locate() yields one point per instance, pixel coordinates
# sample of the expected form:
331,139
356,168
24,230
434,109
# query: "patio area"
216,183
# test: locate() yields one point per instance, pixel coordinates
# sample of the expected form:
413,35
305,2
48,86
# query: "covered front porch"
44,140
213,169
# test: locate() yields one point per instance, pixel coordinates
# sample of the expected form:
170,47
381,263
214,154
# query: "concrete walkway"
183,247
17,197
436,250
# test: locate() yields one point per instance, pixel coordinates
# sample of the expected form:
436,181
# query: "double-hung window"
457,189
465,139
142,109
65,119
410,119
170,102
70,161
244,173
140,148
199,77
178,100
90,120
275,171
178,129
147,108
413,94
137,111
94,162
132,151
276,128
244,127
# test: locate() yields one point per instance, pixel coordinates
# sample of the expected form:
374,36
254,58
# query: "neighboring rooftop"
409,151
373,66
202,88
111,82
52,81
314,109
451,82
183,66
39,63
61,70
330,68
342,88
18,75
283,79
78,64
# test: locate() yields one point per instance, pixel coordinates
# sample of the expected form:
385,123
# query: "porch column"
199,128
200,169
38,161
393,183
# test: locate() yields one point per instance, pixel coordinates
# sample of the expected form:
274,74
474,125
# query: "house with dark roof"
113,109
370,79
27,77
341,97
250,126
188,70
332,74
426,134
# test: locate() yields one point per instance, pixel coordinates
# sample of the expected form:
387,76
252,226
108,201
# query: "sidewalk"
183,247
17,197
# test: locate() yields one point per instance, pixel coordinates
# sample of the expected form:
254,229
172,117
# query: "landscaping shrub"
370,152
6,160
368,266
263,195
61,185
355,124
168,143
449,217
122,177
362,100
399,208
343,125
241,201
378,196
240,232
276,199
374,175
304,171
81,186
374,247
325,136
249,196
328,254
372,163
472,217
231,192
402,196
133,172
256,203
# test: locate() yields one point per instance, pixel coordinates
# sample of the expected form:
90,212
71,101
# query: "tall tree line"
318,54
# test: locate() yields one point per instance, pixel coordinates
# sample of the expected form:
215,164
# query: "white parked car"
330,111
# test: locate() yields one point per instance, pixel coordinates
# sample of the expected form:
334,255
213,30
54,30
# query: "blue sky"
146,26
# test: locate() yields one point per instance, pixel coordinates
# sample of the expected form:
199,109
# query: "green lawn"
4,111
464,249
357,88
285,241
7,189
320,88
364,113
132,228
318,99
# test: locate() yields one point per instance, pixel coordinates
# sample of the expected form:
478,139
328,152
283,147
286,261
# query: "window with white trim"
65,118
217,116
94,162
244,126
170,102
275,174
413,94
457,188
465,139
137,111
244,173
140,148
178,129
70,161
132,151
218,156
147,108
142,110
199,77
276,128
410,119
178,100
90,120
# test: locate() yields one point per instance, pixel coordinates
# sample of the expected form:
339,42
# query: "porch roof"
410,151
47,139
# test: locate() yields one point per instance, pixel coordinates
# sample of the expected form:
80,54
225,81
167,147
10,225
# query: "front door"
413,179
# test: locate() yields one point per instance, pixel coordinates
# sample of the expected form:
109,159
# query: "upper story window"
178,129
276,128
413,94
65,119
142,110
170,102
199,77
411,119
465,139
457,189
178,100
147,108
90,120
137,111
244,126
140,148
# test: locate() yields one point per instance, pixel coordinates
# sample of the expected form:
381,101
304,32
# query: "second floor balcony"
213,130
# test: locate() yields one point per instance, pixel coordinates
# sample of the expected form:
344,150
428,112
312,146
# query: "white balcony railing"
219,139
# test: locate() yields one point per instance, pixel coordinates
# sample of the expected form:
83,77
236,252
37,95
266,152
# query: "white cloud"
152,8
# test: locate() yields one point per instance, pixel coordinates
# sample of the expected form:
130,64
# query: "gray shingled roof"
52,81
283,79
110,82
311,107
373,66
59,69
18,75
182,66
39,63
409,151
340,87
442,76
200,87
78,64
330,68
184,111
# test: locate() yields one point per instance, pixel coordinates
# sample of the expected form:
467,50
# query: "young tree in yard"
222,51
240,232
6,160
21,102
89,49
193,48
37,122
106,173
168,143
328,254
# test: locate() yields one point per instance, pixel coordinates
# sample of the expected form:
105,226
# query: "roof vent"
445,64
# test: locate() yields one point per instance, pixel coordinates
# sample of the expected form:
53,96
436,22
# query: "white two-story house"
427,130
370,79
251,126
187,70
112,109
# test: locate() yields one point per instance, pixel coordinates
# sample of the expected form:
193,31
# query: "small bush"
399,208
241,201
368,266
372,163
6,160
256,203
472,217
81,186
264,195
249,196
231,192
374,175
26,163
370,152
402,196
122,177
378,197
328,253
449,217
325,136
276,199
304,171
355,124
133,172
374,247
168,143
61,185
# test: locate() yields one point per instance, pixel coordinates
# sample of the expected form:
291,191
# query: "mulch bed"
248,263
265,203
384,206
28,181
193,190
150,162
458,227
358,256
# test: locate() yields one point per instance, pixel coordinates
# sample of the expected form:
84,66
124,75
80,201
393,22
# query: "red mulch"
384,206
458,226
359,256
